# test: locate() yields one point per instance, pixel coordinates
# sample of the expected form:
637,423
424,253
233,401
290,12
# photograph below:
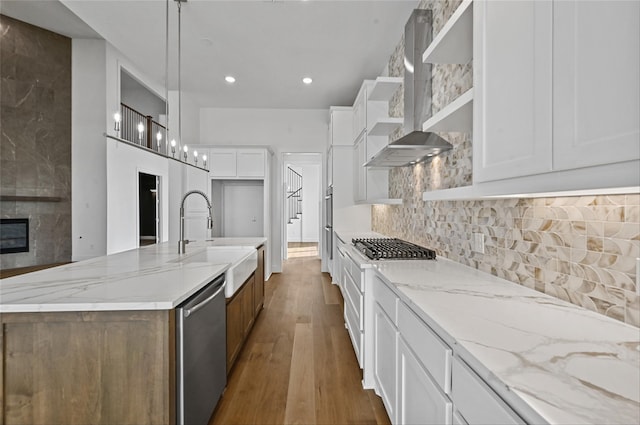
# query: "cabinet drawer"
354,332
356,273
384,296
476,401
354,301
434,354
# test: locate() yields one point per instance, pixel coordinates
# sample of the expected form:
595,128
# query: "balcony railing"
147,138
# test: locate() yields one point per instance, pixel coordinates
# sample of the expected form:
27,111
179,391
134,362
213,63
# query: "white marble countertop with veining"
547,358
154,277
552,361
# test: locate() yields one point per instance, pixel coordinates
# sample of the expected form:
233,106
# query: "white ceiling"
268,46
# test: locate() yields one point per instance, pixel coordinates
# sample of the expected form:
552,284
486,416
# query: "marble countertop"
154,277
552,361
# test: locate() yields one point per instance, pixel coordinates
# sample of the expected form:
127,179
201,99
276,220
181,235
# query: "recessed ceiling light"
229,79
307,80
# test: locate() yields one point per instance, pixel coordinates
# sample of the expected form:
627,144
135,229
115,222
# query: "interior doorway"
302,178
148,209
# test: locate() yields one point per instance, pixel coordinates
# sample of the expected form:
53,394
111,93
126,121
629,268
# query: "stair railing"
294,195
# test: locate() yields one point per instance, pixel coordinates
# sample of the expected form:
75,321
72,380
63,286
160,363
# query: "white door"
243,209
384,363
419,398
596,83
512,89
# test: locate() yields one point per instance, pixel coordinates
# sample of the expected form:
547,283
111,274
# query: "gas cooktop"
392,249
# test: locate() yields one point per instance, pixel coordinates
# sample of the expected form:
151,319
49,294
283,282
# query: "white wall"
97,225
88,149
283,130
124,163
190,120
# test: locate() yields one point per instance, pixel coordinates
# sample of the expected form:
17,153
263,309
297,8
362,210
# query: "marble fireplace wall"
579,249
35,143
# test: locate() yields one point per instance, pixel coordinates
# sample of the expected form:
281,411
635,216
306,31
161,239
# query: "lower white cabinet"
420,400
475,401
458,419
384,353
352,293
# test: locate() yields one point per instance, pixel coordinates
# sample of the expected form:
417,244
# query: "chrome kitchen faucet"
182,243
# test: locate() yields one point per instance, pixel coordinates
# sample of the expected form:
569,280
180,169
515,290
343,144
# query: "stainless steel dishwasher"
201,350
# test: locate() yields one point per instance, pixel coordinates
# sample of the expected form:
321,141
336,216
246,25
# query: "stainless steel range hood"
416,145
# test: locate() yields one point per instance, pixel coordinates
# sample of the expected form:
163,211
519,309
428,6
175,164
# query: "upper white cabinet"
341,125
556,88
512,83
234,163
222,163
340,134
360,112
596,83
371,129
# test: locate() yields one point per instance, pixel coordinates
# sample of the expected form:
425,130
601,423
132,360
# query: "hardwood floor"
298,365
302,249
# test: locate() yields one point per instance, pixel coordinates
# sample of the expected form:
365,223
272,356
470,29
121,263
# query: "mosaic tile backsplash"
579,249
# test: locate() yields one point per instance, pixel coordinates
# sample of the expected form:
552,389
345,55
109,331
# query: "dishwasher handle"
189,311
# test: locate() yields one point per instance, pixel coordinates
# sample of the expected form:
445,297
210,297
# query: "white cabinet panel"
430,349
341,126
512,89
222,163
419,399
596,82
360,173
250,163
354,333
478,403
384,354
237,163
360,112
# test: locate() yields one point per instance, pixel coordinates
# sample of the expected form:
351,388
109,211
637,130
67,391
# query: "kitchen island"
94,341
542,359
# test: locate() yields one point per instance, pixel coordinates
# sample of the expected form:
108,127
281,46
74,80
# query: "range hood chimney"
416,145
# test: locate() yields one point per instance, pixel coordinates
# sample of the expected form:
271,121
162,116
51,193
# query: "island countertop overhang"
149,278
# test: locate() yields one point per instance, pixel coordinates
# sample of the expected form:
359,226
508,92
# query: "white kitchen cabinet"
475,401
250,163
340,134
360,172
458,419
385,336
231,163
596,83
512,85
222,163
341,125
360,112
371,185
352,281
371,128
420,401
553,94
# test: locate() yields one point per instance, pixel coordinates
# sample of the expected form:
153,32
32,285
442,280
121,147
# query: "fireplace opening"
14,235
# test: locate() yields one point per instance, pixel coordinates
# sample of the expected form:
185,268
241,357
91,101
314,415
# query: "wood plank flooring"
298,365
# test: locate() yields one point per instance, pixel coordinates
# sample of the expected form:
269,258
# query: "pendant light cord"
179,74
166,78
